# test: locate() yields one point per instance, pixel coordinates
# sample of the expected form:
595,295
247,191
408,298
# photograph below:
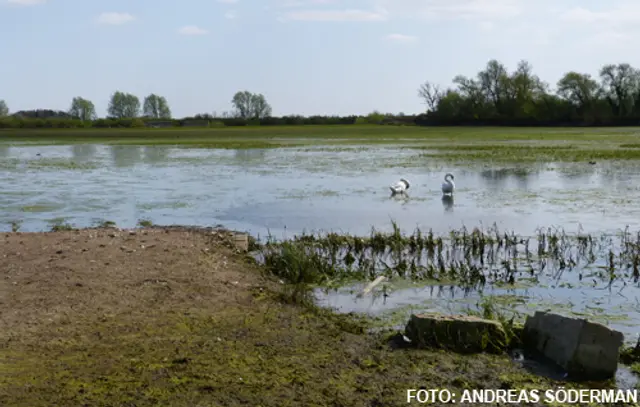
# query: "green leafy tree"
620,83
124,105
82,109
249,105
578,89
156,107
4,109
497,96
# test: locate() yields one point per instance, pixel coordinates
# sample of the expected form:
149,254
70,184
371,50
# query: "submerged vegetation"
470,260
512,152
423,144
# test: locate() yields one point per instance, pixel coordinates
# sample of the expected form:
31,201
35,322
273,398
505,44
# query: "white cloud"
26,2
483,10
623,13
402,38
112,18
192,30
607,27
230,15
335,15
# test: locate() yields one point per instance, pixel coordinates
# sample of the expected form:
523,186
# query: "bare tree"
431,94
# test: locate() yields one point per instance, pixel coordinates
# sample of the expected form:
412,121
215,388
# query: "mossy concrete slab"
464,334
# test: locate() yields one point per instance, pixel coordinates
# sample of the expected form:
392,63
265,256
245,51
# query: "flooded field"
285,191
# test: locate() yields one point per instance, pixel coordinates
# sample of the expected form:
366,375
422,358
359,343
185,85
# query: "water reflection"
498,178
125,156
83,152
155,154
447,202
4,151
346,194
402,198
253,154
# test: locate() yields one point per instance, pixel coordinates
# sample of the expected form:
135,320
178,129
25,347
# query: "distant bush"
19,122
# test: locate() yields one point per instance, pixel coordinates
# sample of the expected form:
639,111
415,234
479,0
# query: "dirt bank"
173,316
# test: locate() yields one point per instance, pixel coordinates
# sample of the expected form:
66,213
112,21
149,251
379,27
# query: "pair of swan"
403,185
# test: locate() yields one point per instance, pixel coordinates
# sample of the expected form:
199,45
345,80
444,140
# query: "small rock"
241,241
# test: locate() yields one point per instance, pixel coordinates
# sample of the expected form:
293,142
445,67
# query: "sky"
305,56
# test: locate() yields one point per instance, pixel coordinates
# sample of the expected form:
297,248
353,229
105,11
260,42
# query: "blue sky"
306,56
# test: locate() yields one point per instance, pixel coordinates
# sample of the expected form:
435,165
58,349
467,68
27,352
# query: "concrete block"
464,334
587,350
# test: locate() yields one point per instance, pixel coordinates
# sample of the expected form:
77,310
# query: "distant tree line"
34,119
498,97
126,111
494,97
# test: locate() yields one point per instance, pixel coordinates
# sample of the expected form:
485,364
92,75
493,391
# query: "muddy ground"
176,317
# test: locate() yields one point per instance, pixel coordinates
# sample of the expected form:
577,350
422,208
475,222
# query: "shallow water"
290,190
286,191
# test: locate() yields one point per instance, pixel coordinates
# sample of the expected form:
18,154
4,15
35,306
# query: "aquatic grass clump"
300,267
468,259
145,223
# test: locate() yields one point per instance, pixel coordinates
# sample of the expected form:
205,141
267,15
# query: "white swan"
399,187
448,186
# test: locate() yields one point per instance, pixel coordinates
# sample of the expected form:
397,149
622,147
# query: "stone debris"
586,350
241,241
465,334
